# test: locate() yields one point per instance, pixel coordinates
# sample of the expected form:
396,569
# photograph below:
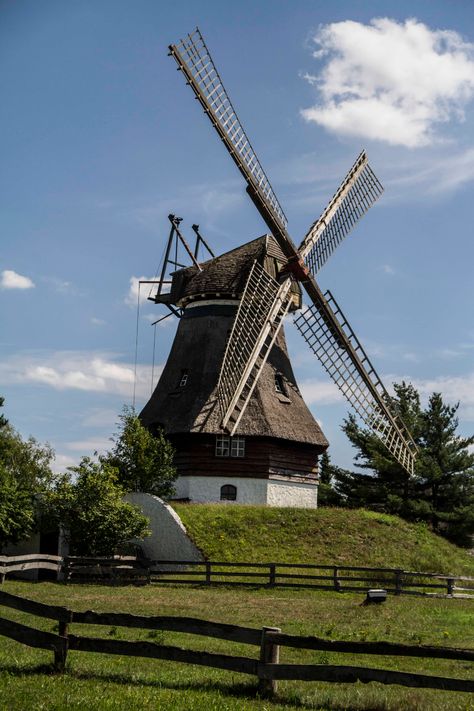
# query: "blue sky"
100,140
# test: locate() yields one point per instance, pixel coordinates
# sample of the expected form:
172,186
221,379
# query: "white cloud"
61,462
145,290
453,388
78,370
11,280
387,269
389,81
322,392
98,321
89,446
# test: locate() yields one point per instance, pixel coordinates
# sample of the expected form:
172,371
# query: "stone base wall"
271,492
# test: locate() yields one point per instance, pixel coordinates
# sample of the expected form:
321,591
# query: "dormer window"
184,378
280,384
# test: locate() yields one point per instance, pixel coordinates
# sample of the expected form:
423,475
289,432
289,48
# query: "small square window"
184,378
237,447
222,446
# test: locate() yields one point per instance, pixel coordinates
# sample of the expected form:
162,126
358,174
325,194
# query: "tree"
17,511
25,473
441,491
144,460
327,495
90,508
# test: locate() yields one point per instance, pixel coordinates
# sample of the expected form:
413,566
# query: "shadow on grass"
245,691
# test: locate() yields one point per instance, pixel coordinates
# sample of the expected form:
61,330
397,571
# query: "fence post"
60,653
272,577
398,582
450,584
269,654
337,583
208,572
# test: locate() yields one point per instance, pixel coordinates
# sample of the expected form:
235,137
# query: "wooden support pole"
272,578
60,653
337,582
208,572
450,584
398,582
269,654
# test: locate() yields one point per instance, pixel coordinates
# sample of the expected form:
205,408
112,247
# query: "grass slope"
321,536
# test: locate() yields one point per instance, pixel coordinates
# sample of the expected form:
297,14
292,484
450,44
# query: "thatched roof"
226,275
198,349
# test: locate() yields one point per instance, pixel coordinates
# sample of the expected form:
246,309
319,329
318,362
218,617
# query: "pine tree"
441,491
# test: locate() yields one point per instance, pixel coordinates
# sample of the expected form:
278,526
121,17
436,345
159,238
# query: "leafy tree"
90,508
17,512
25,472
441,491
144,460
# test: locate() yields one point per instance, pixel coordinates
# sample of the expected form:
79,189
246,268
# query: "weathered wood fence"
133,570
28,563
322,577
267,667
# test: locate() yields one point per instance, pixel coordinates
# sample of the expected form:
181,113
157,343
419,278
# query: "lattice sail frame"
262,308
195,61
336,360
356,194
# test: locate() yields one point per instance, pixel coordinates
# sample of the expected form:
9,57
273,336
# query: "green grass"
320,536
102,682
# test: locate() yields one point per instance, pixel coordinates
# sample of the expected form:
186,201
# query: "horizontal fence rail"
140,571
30,562
322,577
267,667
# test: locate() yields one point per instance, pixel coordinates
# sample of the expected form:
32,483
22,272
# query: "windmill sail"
265,301
262,308
357,193
355,376
195,61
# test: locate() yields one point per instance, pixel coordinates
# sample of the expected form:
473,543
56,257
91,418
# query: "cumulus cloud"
77,370
11,280
321,392
389,81
135,288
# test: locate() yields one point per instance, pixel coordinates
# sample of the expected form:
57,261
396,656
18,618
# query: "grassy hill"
321,536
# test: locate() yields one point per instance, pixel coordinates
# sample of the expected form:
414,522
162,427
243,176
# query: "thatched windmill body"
227,397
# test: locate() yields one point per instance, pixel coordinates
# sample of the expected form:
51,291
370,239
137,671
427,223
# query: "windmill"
242,361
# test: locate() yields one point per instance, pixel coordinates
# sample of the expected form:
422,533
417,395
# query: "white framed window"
237,447
230,446
184,378
222,446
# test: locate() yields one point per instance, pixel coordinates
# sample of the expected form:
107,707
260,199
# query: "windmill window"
280,384
222,446
228,492
237,447
230,446
184,378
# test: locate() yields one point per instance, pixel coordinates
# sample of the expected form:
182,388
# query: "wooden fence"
133,570
267,667
28,563
322,577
